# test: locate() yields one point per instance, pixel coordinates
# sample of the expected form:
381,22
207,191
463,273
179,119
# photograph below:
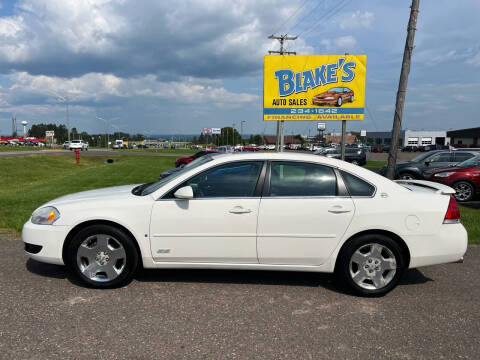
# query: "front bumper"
49,237
321,102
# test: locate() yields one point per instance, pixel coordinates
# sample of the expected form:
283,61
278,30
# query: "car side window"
235,179
462,156
357,186
302,179
441,157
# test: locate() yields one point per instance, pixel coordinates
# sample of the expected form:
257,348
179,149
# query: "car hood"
115,192
326,93
405,163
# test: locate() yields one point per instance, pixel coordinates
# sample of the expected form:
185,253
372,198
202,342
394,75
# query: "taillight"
453,212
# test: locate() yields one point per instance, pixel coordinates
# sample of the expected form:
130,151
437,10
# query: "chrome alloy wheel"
101,258
372,266
463,191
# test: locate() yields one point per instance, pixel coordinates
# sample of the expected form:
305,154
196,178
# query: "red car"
188,159
464,178
333,96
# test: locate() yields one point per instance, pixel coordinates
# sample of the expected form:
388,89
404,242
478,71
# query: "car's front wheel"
339,101
371,265
464,191
407,176
102,256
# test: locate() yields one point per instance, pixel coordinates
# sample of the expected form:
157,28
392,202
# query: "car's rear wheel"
351,98
407,176
102,256
464,191
371,265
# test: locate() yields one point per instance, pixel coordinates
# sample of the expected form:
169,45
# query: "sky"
164,67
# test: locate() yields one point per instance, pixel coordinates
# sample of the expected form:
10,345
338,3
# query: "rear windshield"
474,161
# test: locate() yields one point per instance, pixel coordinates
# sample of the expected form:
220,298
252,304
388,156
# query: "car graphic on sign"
333,96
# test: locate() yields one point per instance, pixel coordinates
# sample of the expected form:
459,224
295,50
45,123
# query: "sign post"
49,134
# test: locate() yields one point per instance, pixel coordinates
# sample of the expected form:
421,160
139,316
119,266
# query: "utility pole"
241,131
281,124
402,89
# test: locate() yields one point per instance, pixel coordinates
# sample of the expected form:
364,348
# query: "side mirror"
427,162
185,193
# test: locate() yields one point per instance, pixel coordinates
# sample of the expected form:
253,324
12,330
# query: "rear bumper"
448,245
49,237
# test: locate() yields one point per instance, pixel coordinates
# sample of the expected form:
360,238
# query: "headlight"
329,98
45,216
444,174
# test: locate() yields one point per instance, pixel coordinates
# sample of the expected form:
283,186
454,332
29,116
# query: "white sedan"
262,211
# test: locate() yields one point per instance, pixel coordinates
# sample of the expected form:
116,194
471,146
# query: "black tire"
339,101
464,191
343,270
131,252
407,176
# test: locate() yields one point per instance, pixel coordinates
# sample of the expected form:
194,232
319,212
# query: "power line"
291,16
330,13
310,13
281,124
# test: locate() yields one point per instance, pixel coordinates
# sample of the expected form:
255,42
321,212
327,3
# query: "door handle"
338,209
240,210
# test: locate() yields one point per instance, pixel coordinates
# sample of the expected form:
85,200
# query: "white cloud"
358,20
342,43
94,87
200,38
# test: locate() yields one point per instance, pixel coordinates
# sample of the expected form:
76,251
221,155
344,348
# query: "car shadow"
206,276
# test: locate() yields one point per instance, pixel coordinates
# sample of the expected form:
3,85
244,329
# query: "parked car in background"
464,178
255,211
78,144
118,144
355,156
66,145
188,159
415,168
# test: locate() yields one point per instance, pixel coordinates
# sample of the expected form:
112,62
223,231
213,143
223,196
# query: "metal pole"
280,141
402,89
344,133
68,120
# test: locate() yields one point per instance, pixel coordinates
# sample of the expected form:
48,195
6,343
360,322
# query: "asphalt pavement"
200,314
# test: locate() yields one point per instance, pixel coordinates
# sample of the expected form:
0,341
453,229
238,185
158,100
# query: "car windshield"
336,89
149,188
421,157
474,161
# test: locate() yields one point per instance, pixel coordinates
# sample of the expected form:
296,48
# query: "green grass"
4,148
471,221
159,151
375,164
27,182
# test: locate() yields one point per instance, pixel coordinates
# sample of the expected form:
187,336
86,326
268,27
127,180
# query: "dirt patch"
7,234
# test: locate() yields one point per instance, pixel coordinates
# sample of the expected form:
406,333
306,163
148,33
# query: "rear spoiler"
439,188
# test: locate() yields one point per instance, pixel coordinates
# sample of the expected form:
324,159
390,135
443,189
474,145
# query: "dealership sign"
207,130
49,133
314,87
216,131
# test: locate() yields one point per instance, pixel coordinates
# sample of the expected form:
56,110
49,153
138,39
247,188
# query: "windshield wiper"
137,190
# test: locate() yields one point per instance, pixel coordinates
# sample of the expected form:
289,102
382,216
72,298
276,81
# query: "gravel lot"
235,315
